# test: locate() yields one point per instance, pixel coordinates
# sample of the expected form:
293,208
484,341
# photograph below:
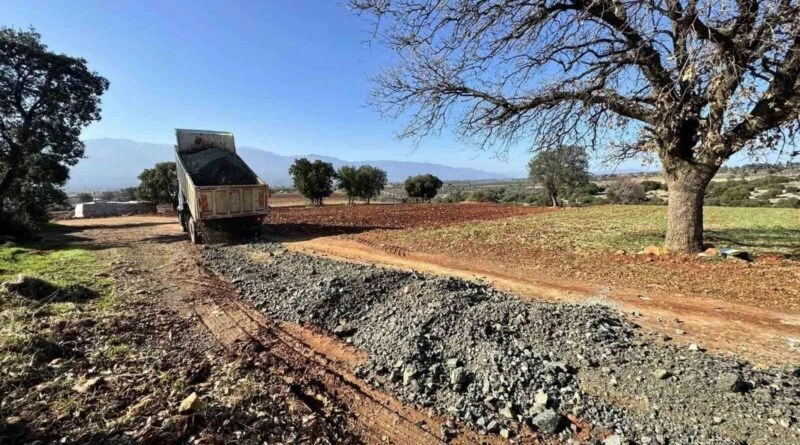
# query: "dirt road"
318,368
764,336
325,373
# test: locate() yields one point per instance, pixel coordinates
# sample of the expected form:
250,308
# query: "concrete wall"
110,208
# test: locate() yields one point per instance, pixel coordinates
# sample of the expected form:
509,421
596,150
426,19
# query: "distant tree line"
315,181
123,194
758,192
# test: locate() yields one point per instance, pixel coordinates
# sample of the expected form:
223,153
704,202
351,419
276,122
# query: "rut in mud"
497,362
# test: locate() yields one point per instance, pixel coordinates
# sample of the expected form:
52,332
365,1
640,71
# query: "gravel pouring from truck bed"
496,361
214,166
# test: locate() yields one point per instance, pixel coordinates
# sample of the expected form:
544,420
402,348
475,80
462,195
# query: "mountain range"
115,163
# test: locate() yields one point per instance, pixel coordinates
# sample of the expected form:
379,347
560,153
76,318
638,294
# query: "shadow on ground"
39,290
785,242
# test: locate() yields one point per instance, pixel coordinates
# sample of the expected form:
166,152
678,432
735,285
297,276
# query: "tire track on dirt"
248,333
316,368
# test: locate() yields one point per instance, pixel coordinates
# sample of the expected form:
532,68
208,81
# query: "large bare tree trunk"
687,182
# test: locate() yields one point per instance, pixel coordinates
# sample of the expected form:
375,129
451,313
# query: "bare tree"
690,81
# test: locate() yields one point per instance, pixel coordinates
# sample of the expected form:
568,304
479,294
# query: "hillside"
115,163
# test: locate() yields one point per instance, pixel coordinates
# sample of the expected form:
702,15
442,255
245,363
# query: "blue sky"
292,77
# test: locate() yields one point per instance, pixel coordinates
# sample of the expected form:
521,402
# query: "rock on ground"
418,329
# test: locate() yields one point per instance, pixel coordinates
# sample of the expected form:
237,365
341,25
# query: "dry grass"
580,244
630,228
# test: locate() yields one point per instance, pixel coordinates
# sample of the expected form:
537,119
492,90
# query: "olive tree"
563,167
314,180
347,180
370,182
422,187
46,99
691,82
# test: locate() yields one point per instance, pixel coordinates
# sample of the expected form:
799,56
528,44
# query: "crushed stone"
214,166
495,361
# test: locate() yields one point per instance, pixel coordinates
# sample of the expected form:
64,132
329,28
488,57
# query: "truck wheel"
194,232
182,217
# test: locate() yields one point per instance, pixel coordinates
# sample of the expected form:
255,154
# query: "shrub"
771,181
511,196
656,201
752,203
738,193
652,185
791,203
588,189
626,191
539,198
581,201
771,193
126,194
453,197
485,195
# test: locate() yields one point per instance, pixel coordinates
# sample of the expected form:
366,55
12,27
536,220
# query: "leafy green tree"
159,184
370,181
85,197
107,195
125,194
365,182
45,100
314,180
563,167
347,180
422,187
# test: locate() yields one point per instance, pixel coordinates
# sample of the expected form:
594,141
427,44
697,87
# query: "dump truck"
216,188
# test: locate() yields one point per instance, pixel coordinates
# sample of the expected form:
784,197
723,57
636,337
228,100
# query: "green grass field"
61,267
630,228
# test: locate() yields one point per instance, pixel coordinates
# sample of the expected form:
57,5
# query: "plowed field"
349,219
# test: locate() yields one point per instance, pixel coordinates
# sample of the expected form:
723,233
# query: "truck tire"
194,231
183,217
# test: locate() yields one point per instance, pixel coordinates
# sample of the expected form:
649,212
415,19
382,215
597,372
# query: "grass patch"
630,228
107,301
62,267
30,329
119,351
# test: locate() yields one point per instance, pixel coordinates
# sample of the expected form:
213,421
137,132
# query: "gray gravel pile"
214,166
495,361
